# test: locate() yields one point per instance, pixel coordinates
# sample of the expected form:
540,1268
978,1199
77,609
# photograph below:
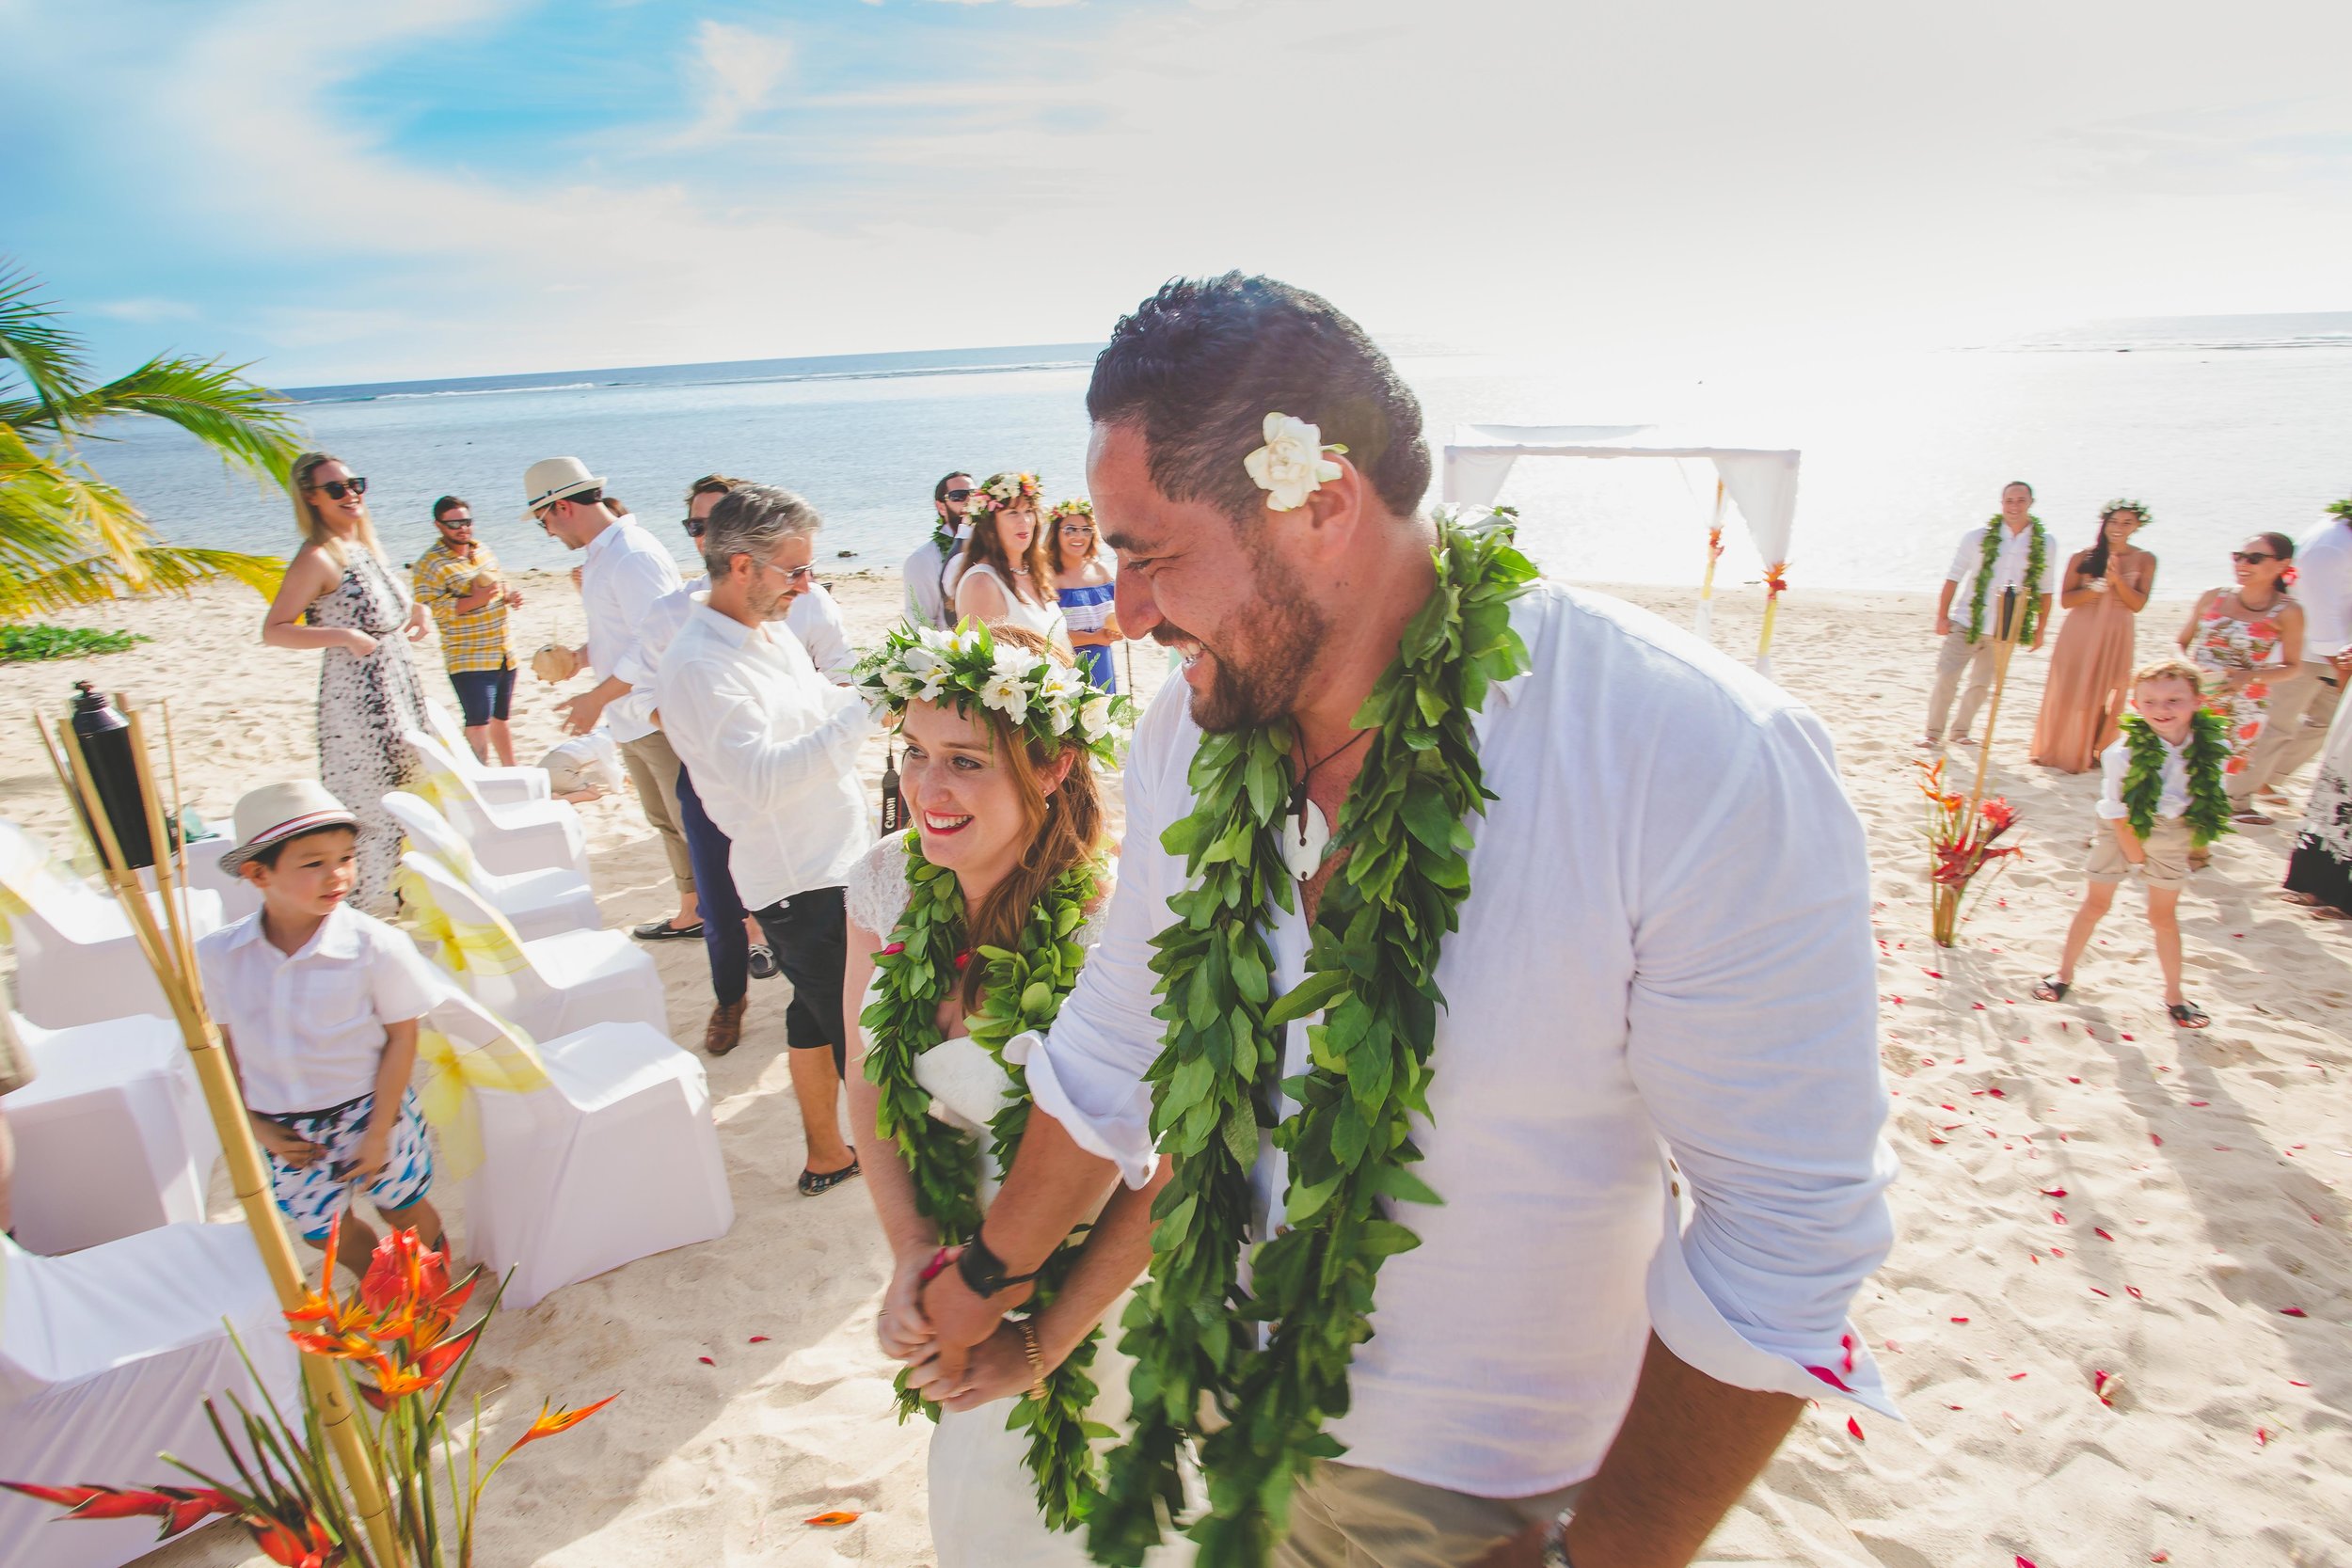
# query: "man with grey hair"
772,748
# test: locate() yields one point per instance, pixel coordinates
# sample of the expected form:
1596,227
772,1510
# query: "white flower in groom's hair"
1007,696
1291,466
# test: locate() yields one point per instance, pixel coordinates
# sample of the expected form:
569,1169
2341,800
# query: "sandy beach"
2085,1189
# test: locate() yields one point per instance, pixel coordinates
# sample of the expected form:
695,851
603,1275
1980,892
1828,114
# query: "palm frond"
47,356
159,569
210,401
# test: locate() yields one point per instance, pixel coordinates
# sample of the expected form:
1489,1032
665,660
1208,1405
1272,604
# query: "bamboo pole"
2004,648
1703,622
248,1174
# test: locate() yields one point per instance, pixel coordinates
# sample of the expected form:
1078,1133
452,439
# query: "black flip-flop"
816,1183
661,931
763,962
2051,989
2187,1015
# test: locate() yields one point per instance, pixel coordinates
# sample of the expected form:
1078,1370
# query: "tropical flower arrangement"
1054,702
1961,843
1291,466
1076,506
401,1332
1007,490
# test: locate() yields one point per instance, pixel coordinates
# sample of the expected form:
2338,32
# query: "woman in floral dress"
2239,636
339,596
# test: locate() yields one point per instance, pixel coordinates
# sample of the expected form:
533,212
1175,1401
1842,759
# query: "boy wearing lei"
2161,802
1450,902
2011,550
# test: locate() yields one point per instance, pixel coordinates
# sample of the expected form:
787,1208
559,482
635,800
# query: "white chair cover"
539,903
76,958
238,897
106,1358
498,785
620,1162
550,987
112,1135
522,835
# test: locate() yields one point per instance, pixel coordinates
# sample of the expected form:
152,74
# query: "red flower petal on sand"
1845,1342
2056,1218
2072,1078
2024,1562
2262,1436
2052,1192
2159,1556
1856,1427
2154,1139
2292,1312
832,1518
706,1361
2096,1292
757,1340
2099,1386
1959,1320
1932,973
2101,1234
1829,1377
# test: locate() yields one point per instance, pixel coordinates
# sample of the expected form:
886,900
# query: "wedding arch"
1760,482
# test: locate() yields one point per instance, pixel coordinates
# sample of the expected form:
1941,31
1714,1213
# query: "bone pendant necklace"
1306,833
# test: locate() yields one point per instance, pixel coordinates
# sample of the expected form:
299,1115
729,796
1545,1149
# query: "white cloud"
145,309
736,70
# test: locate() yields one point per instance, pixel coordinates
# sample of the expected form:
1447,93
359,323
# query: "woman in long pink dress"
2103,590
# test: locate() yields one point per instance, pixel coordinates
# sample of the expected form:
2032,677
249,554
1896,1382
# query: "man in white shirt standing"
772,748
1664,949
2304,702
2019,545
928,603
625,575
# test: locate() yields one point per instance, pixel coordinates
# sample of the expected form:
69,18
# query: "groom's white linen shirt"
625,572
772,748
2009,562
1667,951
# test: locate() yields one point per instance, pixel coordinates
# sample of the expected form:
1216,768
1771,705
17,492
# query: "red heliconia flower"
306,1545
180,1508
1999,814
403,1270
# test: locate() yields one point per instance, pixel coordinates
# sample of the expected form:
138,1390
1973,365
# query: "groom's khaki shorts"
1344,1516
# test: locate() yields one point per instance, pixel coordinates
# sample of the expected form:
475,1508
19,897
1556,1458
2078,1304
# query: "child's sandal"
2051,989
2187,1015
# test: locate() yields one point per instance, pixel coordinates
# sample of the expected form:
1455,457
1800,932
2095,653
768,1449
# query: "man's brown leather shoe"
724,1031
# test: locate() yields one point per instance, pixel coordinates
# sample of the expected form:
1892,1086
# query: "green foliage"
1021,990
2205,755
1370,972
20,644
66,537
2037,554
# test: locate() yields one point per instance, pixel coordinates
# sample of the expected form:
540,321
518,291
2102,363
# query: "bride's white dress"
983,1499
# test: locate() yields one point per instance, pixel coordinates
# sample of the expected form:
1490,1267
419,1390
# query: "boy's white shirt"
309,1026
2172,798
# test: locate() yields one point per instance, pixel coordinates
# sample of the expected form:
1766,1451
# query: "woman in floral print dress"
2240,637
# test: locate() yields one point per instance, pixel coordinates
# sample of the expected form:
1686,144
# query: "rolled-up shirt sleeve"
1087,1072
1966,558
1753,1040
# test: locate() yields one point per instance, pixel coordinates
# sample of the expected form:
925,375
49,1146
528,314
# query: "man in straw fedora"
626,574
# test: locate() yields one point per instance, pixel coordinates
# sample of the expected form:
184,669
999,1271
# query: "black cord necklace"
1299,807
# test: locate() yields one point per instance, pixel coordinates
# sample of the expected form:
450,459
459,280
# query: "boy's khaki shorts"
2166,846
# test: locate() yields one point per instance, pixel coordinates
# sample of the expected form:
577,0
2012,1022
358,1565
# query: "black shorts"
809,935
483,694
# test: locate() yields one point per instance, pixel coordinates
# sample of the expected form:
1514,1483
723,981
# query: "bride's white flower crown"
1054,702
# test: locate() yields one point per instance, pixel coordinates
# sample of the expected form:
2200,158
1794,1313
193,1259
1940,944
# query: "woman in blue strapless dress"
1083,582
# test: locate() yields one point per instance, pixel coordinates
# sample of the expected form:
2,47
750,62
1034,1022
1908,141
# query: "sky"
362,192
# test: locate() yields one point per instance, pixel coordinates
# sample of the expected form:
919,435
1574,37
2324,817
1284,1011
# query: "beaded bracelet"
1037,1357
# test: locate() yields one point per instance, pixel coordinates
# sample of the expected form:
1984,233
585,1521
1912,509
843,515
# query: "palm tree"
66,537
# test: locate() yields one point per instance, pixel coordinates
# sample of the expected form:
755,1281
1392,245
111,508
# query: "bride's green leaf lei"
2037,555
2206,754
1021,990
1192,1328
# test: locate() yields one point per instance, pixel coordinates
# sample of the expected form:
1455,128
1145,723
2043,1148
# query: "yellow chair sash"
468,947
455,1071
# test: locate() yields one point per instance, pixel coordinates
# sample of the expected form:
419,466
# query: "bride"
965,931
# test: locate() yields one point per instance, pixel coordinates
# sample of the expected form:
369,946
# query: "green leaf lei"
2037,554
1192,1327
2207,751
1022,989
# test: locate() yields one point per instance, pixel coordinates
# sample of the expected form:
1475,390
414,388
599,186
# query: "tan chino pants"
1957,654
1345,1517
653,767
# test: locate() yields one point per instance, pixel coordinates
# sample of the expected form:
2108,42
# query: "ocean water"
2224,426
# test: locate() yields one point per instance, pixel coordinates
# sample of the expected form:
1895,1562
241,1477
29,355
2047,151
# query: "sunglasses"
694,527
454,522
2243,559
800,574
336,489
959,495
1077,527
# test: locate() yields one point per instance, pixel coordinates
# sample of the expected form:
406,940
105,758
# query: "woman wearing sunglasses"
339,596
2242,638
1083,582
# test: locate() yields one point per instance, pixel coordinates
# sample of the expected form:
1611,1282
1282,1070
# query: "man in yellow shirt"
458,581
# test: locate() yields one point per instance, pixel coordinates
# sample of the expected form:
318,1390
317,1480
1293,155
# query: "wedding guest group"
1552,1340
2008,554
340,595
624,573
2104,590
457,579
773,748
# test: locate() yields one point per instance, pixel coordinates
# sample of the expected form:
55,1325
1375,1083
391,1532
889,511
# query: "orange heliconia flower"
554,1419
307,1545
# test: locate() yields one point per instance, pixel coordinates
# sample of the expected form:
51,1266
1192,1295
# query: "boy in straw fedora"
318,1004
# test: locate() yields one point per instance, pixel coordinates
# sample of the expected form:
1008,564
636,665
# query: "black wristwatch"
983,1272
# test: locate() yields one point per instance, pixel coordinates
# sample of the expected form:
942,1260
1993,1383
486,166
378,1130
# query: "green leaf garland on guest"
2037,557
2204,755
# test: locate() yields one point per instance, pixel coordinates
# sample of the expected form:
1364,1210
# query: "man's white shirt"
2172,785
927,605
2322,586
773,751
2009,564
1667,951
626,573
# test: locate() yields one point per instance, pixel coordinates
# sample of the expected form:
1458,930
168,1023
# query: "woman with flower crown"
1007,571
964,931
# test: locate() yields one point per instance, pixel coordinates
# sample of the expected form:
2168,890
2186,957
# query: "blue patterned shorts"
311,1195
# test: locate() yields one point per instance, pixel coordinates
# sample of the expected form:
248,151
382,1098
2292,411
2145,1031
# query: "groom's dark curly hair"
1198,366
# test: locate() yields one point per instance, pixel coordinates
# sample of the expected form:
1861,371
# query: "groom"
1654,1111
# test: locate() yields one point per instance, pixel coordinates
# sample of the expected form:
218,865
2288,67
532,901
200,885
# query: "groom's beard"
1257,673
